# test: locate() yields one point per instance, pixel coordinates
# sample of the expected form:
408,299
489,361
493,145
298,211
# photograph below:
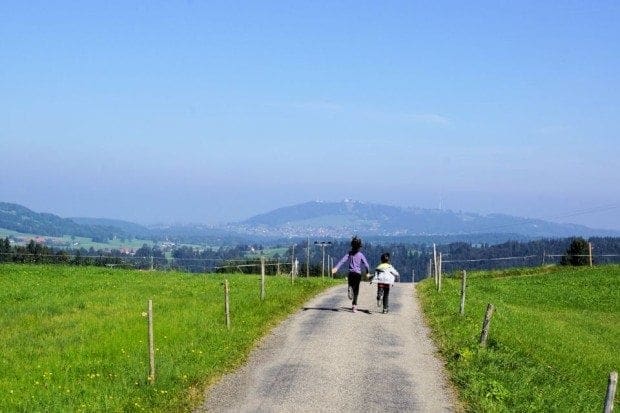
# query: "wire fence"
190,264
252,265
533,260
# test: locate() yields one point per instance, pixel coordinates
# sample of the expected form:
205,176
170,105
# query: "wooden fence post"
293,269
486,324
435,262
611,392
329,266
308,258
262,278
429,271
227,303
151,344
439,273
590,253
463,287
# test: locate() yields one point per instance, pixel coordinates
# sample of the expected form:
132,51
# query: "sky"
211,112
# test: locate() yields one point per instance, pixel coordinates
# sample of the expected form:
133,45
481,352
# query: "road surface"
325,358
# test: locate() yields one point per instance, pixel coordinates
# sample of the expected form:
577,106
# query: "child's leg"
386,294
355,283
350,285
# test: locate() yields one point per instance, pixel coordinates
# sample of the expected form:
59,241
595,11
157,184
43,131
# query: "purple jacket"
355,262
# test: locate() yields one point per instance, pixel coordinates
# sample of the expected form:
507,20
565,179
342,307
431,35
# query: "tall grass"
75,338
553,339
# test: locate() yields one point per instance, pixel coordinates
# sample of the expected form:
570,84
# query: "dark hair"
356,244
385,257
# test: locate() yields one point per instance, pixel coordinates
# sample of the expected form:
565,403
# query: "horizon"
182,223
212,113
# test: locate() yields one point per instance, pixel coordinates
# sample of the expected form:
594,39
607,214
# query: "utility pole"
323,244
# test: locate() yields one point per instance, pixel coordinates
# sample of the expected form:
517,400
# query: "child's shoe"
385,310
354,308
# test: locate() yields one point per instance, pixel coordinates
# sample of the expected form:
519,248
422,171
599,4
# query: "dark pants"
354,279
383,289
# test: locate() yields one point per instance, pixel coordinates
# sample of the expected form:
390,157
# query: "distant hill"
21,219
333,219
136,230
315,219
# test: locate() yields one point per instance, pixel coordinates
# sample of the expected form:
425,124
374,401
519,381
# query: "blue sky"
214,111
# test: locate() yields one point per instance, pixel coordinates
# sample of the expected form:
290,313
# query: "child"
355,259
385,275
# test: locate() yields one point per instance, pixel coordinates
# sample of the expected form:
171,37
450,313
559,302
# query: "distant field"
75,338
553,339
76,242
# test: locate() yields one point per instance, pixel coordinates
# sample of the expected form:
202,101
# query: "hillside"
315,219
126,226
21,219
351,217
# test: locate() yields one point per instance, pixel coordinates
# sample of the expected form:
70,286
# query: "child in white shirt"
385,276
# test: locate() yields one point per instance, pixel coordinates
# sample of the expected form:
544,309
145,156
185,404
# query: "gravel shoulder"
327,358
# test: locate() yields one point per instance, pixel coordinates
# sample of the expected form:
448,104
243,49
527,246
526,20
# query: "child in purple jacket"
355,259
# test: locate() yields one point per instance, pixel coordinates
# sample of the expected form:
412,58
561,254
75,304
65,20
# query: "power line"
129,257
493,259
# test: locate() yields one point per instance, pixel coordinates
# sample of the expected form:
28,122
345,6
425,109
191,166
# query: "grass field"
553,338
75,338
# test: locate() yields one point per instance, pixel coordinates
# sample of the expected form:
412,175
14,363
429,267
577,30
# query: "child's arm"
342,260
365,262
371,275
395,274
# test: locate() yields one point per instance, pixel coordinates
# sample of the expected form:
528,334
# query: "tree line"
412,260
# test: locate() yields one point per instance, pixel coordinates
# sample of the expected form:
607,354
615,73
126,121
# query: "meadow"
553,338
75,338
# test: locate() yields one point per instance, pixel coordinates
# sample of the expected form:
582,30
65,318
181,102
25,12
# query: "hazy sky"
214,111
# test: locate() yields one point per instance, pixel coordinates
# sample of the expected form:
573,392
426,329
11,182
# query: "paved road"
326,358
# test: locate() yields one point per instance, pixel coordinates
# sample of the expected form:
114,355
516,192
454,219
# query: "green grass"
553,338
75,338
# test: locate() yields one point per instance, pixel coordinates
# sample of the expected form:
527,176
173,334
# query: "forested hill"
127,227
21,219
